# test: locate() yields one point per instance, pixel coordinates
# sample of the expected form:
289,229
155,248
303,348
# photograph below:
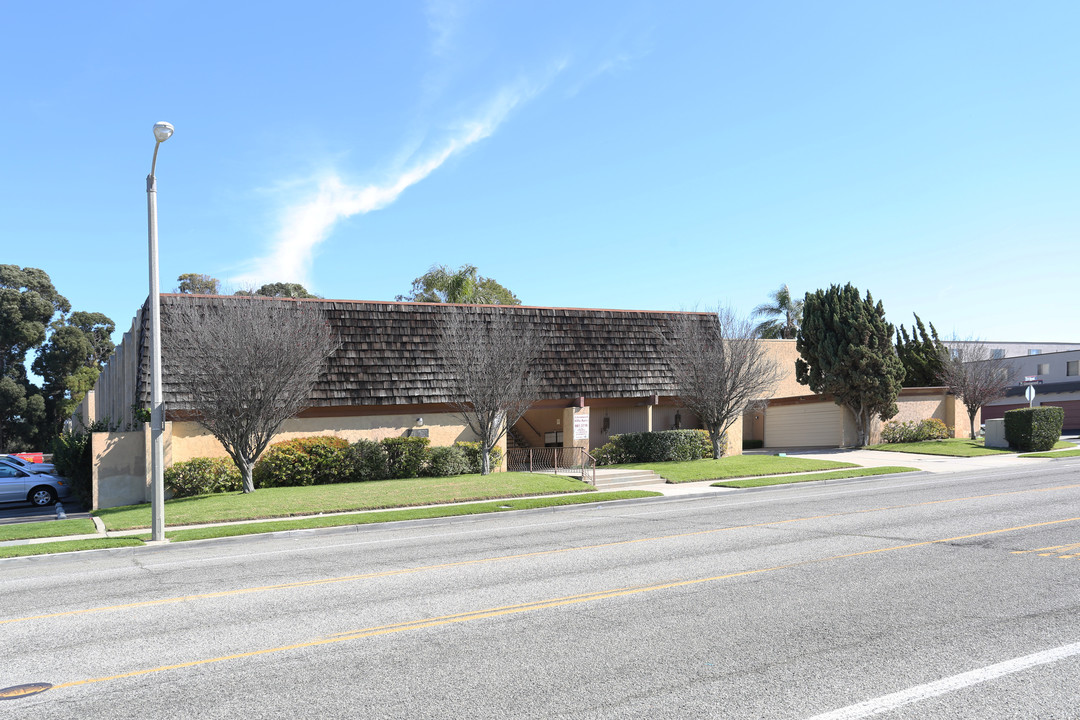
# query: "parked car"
40,489
24,464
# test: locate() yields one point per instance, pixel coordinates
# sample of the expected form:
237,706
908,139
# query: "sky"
609,154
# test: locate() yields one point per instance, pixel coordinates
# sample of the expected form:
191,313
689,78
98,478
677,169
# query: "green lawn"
733,467
419,513
835,475
1059,454
67,546
48,528
291,501
956,447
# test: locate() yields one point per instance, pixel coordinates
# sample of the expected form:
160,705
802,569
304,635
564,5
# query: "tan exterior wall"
190,440
784,354
120,469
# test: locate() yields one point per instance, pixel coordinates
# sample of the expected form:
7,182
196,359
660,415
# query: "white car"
38,489
33,467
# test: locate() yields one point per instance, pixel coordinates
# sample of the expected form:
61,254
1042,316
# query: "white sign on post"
1030,394
581,426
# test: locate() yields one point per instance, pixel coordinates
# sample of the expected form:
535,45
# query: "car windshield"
16,460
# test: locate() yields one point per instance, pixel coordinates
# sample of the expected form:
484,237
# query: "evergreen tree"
278,289
196,284
921,355
443,285
847,351
28,302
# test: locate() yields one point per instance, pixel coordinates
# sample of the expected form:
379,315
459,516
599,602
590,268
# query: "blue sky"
630,154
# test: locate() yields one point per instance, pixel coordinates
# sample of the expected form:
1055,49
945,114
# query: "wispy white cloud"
306,225
444,20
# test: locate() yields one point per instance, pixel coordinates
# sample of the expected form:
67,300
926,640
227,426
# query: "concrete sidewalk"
864,458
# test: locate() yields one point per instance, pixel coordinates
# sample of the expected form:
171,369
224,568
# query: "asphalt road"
940,596
21,512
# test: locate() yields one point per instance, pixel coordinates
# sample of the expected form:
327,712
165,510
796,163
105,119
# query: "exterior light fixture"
162,132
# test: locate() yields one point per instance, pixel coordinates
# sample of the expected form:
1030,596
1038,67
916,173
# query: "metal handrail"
553,460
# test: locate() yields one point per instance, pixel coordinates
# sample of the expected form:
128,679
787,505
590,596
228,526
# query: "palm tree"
783,316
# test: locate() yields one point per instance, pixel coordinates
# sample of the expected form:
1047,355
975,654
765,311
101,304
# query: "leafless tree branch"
974,375
244,366
719,368
489,355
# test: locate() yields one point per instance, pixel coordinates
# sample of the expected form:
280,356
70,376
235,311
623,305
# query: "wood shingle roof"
389,353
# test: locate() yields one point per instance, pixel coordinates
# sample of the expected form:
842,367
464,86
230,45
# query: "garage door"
996,412
1072,413
811,425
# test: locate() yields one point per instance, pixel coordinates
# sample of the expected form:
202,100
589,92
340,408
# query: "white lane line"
885,703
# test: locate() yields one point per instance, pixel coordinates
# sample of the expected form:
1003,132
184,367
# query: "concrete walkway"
864,458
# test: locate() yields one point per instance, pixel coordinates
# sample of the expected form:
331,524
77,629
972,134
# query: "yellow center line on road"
503,558
540,605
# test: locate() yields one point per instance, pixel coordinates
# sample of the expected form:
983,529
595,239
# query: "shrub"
1034,429
202,476
365,460
72,455
445,461
915,431
405,456
473,459
663,446
318,460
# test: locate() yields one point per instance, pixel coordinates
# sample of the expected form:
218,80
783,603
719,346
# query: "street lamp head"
163,131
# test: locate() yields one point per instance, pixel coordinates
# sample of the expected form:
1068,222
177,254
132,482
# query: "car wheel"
42,496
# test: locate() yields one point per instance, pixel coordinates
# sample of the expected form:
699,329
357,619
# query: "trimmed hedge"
318,460
915,431
1034,429
405,456
201,476
366,460
662,446
474,456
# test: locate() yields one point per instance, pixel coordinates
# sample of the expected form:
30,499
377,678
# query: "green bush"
473,455
72,455
202,476
405,456
915,431
1034,429
445,461
366,460
318,460
663,446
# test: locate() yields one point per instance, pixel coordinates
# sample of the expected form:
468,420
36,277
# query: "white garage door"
812,425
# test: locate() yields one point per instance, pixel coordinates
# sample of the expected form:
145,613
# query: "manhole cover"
18,691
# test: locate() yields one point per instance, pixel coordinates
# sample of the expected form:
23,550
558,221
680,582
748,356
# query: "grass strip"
47,528
284,502
953,447
1059,454
67,546
734,467
419,513
835,475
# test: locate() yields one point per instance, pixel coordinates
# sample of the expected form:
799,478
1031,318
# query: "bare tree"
489,354
972,373
244,366
720,369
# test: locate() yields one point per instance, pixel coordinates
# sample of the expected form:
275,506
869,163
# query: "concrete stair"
616,479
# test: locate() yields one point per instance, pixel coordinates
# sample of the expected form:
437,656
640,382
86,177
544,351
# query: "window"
997,353
1072,367
1043,369
1034,351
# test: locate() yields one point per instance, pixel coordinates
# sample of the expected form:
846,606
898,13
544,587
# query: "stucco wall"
783,352
189,440
119,475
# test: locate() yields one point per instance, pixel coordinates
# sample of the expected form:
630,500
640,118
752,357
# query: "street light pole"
162,132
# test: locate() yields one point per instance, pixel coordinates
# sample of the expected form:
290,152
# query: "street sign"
1030,393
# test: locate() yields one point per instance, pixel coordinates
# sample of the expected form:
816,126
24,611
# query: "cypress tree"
921,354
847,351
